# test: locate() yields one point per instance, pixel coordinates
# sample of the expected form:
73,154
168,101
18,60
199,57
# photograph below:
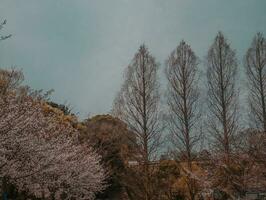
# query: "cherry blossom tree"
40,152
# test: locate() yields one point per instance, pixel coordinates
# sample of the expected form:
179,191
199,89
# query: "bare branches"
138,105
222,96
255,63
139,99
183,95
224,169
1,27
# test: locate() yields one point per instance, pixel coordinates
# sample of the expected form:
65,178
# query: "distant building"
255,195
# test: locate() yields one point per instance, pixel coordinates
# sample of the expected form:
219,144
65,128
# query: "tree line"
138,104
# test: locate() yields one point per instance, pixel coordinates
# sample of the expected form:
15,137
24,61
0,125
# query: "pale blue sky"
80,48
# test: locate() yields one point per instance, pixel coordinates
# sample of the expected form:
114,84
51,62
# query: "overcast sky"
80,48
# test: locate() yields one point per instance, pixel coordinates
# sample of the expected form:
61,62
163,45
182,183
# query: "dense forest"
186,142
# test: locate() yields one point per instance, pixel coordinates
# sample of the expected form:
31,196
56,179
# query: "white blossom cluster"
42,155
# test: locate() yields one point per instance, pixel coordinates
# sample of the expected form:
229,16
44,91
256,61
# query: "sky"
80,48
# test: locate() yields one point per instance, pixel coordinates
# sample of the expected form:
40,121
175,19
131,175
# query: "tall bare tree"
222,95
183,96
138,105
255,63
222,120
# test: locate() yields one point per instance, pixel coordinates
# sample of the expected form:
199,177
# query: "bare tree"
222,103
183,96
255,63
138,105
222,95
